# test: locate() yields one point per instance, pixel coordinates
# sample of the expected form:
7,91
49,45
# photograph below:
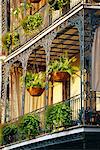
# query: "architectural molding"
70,135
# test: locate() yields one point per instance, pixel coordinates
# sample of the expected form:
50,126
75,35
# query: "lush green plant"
57,116
57,4
63,64
15,38
10,133
10,39
29,126
32,22
35,80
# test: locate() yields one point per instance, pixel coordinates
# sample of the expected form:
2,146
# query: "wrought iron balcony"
49,17
48,120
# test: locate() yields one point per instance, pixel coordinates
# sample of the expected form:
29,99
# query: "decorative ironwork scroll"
46,42
24,60
78,21
91,22
86,22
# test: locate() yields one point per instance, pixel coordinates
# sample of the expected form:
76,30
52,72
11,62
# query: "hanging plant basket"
59,76
32,22
35,1
35,91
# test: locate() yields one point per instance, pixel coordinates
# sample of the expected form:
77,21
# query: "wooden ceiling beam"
66,39
67,44
66,48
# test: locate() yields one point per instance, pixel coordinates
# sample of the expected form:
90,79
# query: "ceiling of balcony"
66,41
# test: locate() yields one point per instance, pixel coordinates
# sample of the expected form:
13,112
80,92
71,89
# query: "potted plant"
29,126
61,69
58,116
10,39
35,83
31,22
57,4
9,133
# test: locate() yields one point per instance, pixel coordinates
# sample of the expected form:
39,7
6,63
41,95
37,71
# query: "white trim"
92,6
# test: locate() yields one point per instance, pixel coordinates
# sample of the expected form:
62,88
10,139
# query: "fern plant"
35,80
63,64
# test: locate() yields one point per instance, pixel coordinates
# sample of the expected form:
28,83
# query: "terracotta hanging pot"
35,91
35,1
59,76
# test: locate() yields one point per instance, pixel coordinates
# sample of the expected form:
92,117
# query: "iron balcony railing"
79,116
49,16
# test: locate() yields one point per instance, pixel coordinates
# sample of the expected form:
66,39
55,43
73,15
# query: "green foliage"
16,12
58,116
10,39
10,133
29,126
7,40
21,9
63,64
32,22
26,127
35,79
57,4
15,38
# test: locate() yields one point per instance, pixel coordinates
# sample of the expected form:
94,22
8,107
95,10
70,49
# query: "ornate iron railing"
79,116
49,16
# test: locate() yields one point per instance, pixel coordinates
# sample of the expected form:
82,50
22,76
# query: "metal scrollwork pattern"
78,21
46,42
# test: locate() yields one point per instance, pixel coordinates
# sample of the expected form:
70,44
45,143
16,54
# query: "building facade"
65,34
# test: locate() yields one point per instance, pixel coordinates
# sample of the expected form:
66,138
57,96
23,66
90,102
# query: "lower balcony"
64,122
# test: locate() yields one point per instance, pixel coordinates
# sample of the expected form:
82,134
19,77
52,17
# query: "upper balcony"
27,21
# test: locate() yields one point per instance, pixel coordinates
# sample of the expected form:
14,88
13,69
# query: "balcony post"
5,78
24,60
90,24
86,23
46,43
78,21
